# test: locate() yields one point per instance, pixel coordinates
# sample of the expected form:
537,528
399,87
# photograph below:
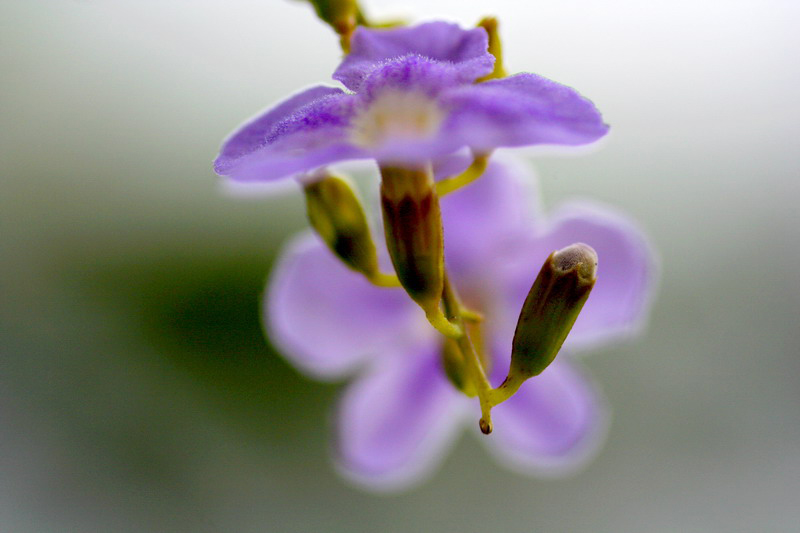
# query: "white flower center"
397,116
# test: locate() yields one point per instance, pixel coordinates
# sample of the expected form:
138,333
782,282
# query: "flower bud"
336,214
413,225
341,15
551,308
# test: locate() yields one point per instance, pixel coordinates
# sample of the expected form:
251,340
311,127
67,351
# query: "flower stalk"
473,366
472,173
490,24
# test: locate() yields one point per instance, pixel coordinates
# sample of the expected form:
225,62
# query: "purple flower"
401,413
411,97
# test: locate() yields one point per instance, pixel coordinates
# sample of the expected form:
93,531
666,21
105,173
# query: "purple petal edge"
328,320
397,421
445,42
521,110
253,134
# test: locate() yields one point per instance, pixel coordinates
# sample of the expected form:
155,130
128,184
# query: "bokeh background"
137,392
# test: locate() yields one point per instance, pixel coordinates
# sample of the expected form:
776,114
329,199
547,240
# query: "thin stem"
473,172
471,316
495,48
381,279
344,42
453,308
447,327
506,390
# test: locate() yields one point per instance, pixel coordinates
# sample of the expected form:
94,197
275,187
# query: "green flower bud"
341,15
412,222
551,308
413,225
336,214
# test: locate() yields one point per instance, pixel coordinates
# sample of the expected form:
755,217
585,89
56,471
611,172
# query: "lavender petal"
328,320
305,132
525,109
553,425
396,421
466,50
485,220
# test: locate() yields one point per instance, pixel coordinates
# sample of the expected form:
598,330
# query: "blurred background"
137,392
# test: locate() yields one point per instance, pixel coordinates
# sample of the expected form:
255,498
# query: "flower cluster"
446,303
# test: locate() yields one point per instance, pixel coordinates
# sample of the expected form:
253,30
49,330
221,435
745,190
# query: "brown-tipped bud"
551,308
336,214
413,225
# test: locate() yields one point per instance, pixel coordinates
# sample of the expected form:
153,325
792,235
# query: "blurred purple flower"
412,99
401,413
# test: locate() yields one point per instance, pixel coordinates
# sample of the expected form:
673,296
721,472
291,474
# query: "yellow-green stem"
344,42
495,48
473,172
445,326
506,390
453,308
381,279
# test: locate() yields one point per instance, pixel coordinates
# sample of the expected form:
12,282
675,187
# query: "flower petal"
441,41
327,319
254,133
554,425
410,74
620,300
305,132
525,109
484,221
396,421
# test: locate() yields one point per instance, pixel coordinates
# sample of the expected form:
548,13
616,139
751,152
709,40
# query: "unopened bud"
336,214
412,222
551,308
413,225
341,15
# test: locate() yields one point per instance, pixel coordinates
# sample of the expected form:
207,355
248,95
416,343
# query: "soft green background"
137,393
